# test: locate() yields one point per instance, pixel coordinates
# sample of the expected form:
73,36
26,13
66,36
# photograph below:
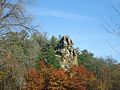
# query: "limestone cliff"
66,52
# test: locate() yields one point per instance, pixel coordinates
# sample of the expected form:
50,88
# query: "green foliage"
47,53
21,51
49,56
22,47
106,70
86,58
53,41
52,59
18,51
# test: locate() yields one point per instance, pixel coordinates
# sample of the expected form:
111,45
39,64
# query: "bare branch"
113,48
116,10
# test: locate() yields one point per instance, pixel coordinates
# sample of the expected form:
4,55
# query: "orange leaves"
60,73
42,64
8,56
47,77
34,81
82,72
58,80
81,77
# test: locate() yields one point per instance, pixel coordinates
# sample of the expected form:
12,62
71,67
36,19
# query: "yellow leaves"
2,74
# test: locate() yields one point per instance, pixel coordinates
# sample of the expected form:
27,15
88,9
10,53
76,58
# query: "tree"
82,78
19,53
48,55
86,58
114,27
13,17
48,77
15,44
53,41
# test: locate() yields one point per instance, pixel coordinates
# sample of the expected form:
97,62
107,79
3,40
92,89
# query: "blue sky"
81,20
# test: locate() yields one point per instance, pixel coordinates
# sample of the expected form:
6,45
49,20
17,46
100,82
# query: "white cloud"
63,14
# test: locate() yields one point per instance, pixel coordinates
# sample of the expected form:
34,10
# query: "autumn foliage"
50,78
34,80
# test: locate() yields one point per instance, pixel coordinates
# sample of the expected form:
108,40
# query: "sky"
82,20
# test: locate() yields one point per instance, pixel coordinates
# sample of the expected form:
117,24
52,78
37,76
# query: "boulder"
66,52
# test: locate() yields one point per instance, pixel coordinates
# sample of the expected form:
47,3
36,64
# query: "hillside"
29,60
32,63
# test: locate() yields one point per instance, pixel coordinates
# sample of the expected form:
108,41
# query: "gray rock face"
66,52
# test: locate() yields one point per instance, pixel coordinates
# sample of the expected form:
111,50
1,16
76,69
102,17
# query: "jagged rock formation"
66,52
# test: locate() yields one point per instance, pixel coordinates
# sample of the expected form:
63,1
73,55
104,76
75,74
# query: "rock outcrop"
66,52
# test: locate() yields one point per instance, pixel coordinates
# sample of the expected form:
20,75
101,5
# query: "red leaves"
34,81
82,71
80,77
47,77
60,73
58,80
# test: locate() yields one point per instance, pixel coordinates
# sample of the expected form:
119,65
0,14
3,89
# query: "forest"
28,60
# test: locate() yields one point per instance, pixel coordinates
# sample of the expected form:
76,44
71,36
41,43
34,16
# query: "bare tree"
13,16
113,28
15,47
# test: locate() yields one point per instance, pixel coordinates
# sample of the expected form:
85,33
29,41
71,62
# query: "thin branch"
113,48
116,10
108,30
7,15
